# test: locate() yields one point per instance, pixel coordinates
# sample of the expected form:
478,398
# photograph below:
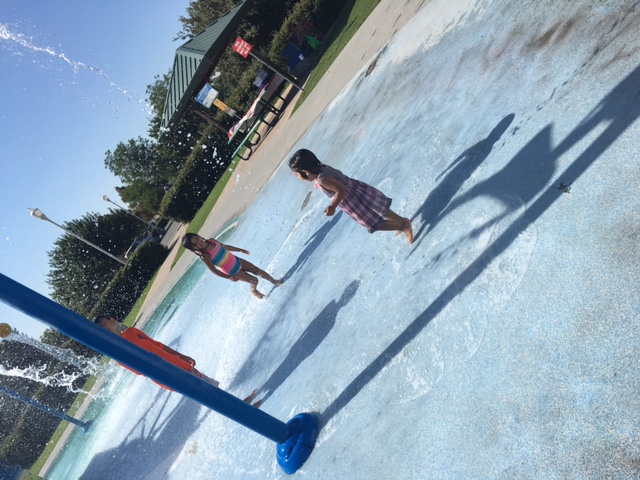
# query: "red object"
242,47
147,343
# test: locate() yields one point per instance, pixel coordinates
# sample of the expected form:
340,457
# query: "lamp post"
107,199
35,212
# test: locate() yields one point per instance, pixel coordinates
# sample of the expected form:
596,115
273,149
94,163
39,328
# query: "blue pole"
45,408
295,439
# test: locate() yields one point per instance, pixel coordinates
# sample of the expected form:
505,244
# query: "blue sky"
73,76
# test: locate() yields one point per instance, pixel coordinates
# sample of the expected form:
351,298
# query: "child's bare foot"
257,404
251,396
407,229
277,283
257,294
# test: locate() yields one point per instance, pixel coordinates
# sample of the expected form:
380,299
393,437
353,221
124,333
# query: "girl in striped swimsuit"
365,204
219,259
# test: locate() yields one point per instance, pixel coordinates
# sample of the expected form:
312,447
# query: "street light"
107,199
35,212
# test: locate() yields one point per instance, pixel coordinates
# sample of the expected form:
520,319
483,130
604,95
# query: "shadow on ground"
526,176
310,339
150,443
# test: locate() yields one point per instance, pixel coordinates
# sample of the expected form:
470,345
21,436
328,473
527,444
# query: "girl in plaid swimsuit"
365,204
221,262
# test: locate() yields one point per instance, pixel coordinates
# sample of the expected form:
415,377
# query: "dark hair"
186,241
305,159
100,318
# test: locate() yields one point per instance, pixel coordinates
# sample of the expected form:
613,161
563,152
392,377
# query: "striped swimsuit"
223,259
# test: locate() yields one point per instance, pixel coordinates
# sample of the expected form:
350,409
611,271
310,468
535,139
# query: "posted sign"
242,47
207,95
224,107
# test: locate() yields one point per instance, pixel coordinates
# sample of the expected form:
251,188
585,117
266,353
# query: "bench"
248,142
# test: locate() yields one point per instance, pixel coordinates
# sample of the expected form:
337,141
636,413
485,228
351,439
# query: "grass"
55,438
353,15
198,220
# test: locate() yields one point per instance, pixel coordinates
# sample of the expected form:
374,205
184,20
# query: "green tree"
80,273
145,196
53,337
201,14
157,96
139,159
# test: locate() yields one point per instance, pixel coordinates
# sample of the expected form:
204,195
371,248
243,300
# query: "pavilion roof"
194,63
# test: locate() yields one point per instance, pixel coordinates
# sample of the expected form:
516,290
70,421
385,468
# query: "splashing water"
88,366
22,41
40,375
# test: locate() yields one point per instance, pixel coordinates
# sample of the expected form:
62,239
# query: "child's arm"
212,268
235,249
339,189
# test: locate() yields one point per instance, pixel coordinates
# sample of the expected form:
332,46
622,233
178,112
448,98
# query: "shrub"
200,173
127,285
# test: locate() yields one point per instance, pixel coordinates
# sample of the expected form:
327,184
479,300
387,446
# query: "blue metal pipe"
79,328
45,408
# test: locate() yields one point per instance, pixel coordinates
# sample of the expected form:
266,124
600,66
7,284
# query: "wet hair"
100,318
186,241
305,159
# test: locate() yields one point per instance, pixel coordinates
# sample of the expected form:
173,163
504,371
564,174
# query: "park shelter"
195,62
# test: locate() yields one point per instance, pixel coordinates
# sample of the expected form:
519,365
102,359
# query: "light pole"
107,199
35,212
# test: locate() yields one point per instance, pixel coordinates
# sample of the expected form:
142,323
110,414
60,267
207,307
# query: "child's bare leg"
251,268
201,375
393,221
251,396
252,281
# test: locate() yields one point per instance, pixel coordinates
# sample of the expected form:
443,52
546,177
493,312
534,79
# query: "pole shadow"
616,113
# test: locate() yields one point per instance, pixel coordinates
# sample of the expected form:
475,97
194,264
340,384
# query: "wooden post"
211,121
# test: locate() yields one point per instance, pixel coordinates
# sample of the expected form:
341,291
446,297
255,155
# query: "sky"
73,76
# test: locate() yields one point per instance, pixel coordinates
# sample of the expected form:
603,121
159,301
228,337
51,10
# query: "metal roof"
194,63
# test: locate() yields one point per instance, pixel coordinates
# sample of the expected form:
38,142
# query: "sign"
224,107
262,79
242,47
207,95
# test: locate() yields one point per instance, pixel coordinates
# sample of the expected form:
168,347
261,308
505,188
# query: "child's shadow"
456,174
312,244
310,339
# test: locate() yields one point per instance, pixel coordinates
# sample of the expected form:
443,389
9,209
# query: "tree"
145,196
53,337
157,96
201,14
138,159
80,273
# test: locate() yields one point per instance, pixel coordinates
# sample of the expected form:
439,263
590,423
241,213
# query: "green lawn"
353,15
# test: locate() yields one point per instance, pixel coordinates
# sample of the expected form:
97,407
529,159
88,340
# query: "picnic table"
254,117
